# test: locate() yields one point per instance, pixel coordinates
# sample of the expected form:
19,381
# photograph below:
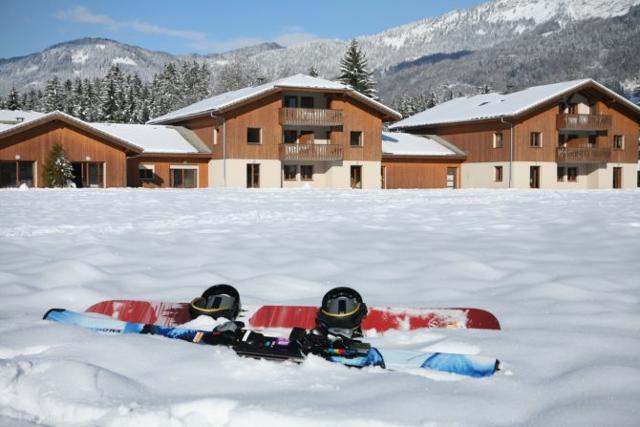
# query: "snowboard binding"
217,301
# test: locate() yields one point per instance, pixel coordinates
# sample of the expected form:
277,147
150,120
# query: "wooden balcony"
583,155
317,152
310,117
588,122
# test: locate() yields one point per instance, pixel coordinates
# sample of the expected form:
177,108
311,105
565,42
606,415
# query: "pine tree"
312,71
76,103
52,100
57,168
87,104
111,98
67,97
354,72
13,100
2,104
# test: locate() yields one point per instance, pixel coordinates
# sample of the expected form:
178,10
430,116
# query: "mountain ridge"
477,29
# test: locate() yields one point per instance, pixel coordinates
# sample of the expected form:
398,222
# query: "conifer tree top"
354,71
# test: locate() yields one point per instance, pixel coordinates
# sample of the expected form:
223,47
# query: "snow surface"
11,116
407,144
123,60
151,138
559,269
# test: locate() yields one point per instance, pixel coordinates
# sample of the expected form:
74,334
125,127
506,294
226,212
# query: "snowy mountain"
480,28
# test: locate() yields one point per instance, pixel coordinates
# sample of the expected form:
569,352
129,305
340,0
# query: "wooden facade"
161,167
266,115
476,139
420,172
34,144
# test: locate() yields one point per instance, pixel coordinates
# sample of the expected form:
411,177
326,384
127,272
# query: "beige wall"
590,176
325,174
481,175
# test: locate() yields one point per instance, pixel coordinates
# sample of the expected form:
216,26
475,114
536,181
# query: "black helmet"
217,301
342,311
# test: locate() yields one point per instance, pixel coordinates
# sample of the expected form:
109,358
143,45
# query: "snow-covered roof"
156,138
298,81
496,105
144,139
17,116
406,144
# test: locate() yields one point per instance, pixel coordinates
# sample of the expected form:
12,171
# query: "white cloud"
84,16
197,40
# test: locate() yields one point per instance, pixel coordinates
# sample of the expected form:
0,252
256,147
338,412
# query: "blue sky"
183,26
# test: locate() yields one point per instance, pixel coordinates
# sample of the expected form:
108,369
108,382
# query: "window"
618,142
306,102
183,177
561,173
572,174
356,139
290,172
306,172
290,136
498,173
291,101
145,172
16,173
497,140
536,139
253,135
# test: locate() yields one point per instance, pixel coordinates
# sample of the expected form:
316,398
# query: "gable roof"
228,100
156,138
58,115
136,138
495,105
406,144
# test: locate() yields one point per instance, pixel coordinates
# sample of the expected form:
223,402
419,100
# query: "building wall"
418,173
35,145
325,174
590,176
482,175
162,167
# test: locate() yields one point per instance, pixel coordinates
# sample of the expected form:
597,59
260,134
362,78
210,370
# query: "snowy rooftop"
17,116
496,105
146,138
156,138
228,99
406,144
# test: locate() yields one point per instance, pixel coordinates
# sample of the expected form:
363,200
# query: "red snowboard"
380,319
282,316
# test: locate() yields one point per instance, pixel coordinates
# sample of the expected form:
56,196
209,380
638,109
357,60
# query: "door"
356,176
253,175
534,177
451,178
617,177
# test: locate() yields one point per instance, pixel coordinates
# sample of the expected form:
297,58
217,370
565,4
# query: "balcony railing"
590,122
311,117
583,155
332,152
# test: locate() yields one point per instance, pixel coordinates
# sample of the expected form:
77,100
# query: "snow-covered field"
561,270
